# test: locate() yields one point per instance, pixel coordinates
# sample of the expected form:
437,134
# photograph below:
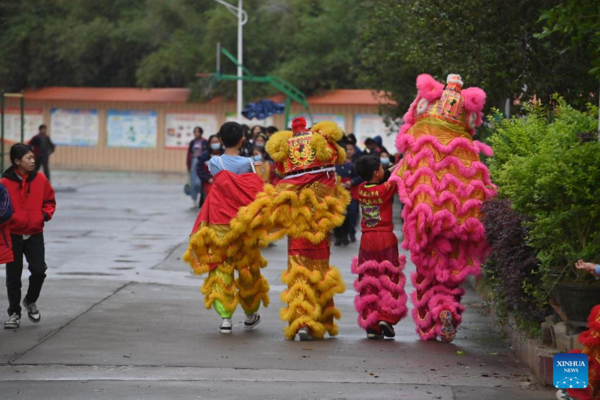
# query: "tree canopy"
513,50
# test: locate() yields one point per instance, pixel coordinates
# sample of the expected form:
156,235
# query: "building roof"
134,95
181,95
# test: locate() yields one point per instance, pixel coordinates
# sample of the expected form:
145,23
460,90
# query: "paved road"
123,319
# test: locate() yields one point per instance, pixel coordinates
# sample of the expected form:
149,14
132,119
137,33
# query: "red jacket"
33,202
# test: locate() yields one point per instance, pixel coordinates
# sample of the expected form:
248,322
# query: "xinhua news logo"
570,371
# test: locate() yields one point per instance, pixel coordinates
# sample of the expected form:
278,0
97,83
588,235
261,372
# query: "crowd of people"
201,151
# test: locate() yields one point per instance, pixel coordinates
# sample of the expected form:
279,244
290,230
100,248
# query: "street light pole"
240,87
242,19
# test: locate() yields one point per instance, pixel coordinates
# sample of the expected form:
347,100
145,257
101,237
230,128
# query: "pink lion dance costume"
442,184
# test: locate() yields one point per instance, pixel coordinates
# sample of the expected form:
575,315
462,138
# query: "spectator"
358,152
386,163
270,131
196,148
214,148
265,169
371,147
33,203
260,140
380,145
42,148
593,269
346,233
257,130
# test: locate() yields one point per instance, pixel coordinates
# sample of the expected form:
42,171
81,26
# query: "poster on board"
339,119
134,129
250,122
371,125
12,124
74,127
179,128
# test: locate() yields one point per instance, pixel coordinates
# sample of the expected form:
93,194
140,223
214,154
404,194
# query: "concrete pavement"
123,318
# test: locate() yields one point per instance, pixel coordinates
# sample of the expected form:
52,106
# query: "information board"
134,129
12,123
179,128
74,127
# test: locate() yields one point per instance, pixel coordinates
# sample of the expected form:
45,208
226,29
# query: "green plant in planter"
552,176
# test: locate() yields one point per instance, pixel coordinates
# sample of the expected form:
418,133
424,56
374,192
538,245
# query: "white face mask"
385,161
257,157
215,146
257,144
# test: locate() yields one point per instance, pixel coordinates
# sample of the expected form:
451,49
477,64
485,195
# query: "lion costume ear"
277,146
329,130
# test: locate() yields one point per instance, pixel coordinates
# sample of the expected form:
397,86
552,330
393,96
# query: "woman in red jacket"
33,204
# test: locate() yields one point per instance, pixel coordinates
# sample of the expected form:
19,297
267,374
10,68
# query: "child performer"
235,185
381,299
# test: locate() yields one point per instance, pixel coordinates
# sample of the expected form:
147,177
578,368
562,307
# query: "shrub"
548,173
512,268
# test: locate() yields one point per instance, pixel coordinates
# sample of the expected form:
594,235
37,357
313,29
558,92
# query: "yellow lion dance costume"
305,205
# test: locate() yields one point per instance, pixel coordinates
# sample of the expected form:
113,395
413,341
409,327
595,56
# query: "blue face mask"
215,146
385,161
257,157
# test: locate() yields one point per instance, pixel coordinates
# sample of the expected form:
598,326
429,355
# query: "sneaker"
225,326
32,311
304,334
387,329
562,395
373,334
252,320
448,332
13,322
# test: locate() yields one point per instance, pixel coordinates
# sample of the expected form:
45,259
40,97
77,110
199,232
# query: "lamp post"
242,19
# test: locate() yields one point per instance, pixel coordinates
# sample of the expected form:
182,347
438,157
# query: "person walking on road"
33,202
42,148
197,146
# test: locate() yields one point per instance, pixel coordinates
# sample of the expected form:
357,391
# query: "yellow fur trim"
330,130
319,144
277,146
308,212
341,152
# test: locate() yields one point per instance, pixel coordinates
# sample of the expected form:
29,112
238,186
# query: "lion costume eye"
422,106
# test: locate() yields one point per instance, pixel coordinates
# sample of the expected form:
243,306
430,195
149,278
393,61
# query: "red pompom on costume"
591,340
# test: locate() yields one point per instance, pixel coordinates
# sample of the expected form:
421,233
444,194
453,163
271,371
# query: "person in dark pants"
33,202
346,233
42,148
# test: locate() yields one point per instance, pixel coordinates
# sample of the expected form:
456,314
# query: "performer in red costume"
381,299
305,205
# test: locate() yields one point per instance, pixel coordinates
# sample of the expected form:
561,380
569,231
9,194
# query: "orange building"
130,129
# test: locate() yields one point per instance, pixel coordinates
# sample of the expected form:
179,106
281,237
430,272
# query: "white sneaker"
13,322
32,311
225,326
304,334
251,320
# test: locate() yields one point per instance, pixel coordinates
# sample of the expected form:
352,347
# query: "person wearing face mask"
263,170
214,148
386,163
260,141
